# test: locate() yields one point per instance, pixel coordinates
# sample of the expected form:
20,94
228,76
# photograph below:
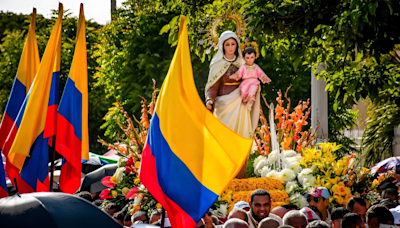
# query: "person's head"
357,205
235,223
352,220
260,203
231,47
119,217
386,184
127,219
111,209
97,203
281,210
285,226
319,197
310,214
268,223
85,195
140,216
242,205
390,193
337,216
155,216
249,55
388,203
295,218
379,214
238,213
318,224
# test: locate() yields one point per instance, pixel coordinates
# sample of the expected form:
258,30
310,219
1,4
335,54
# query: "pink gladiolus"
105,194
107,182
132,193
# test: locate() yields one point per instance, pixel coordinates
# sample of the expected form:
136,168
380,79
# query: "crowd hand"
234,76
210,105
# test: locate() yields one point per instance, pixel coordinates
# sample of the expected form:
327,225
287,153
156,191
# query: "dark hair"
85,195
318,224
259,192
111,206
138,214
119,215
388,203
237,46
127,217
249,50
290,207
387,184
339,213
315,209
381,213
285,226
353,200
97,203
234,210
350,220
391,192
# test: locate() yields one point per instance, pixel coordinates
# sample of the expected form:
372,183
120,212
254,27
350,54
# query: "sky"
98,10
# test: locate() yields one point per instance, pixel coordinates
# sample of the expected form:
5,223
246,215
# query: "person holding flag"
35,122
28,66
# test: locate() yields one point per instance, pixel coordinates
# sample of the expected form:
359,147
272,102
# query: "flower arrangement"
240,190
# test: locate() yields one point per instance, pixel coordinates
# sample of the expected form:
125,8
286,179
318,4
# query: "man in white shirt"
260,206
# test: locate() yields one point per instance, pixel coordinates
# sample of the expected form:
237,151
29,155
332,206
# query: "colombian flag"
35,122
190,156
26,72
72,120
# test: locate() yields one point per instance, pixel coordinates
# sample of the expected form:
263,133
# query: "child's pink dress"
250,75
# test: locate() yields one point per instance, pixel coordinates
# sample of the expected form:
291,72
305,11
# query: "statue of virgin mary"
222,94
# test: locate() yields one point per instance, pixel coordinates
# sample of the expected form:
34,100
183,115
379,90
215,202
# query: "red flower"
129,166
105,194
107,182
132,193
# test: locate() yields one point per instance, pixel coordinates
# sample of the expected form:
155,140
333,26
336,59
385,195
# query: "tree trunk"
113,8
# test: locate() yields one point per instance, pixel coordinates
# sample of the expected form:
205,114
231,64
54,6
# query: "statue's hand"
210,105
234,76
266,79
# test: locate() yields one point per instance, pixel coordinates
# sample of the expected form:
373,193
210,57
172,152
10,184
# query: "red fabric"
69,146
148,176
43,187
3,192
51,119
5,128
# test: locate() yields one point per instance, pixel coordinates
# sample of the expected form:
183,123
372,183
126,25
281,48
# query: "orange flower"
342,190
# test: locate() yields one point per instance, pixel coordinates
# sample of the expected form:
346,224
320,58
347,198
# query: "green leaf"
172,23
318,28
287,1
335,106
263,51
165,29
372,8
296,62
389,6
270,5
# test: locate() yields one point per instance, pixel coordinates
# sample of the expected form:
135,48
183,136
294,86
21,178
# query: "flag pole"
53,157
162,218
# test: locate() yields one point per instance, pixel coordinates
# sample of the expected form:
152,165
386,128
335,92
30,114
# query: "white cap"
396,214
241,205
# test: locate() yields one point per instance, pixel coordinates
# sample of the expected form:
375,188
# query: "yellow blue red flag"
190,156
35,123
72,120
26,72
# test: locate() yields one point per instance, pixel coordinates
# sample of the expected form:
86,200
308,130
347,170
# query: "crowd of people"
258,213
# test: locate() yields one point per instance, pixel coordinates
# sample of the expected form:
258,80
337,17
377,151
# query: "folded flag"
26,72
190,156
35,122
3,185
72,140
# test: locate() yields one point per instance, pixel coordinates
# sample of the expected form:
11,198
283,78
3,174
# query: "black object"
50,209
96,176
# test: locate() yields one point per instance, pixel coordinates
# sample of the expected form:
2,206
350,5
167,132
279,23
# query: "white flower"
287,175
258,159
303,174
259,163
308,181
293,166
298,200
291,186
208,51
289,153
254,148
119,173
223,208
264,171
273,174
122,160
137,200
273,157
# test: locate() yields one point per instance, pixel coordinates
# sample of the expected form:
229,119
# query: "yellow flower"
114,180
335,188
341,184
114,193
342,190
136,181
125,191
158,205
348,191
340,200
137,165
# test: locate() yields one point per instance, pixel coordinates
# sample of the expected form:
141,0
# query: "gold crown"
240,25
251,44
